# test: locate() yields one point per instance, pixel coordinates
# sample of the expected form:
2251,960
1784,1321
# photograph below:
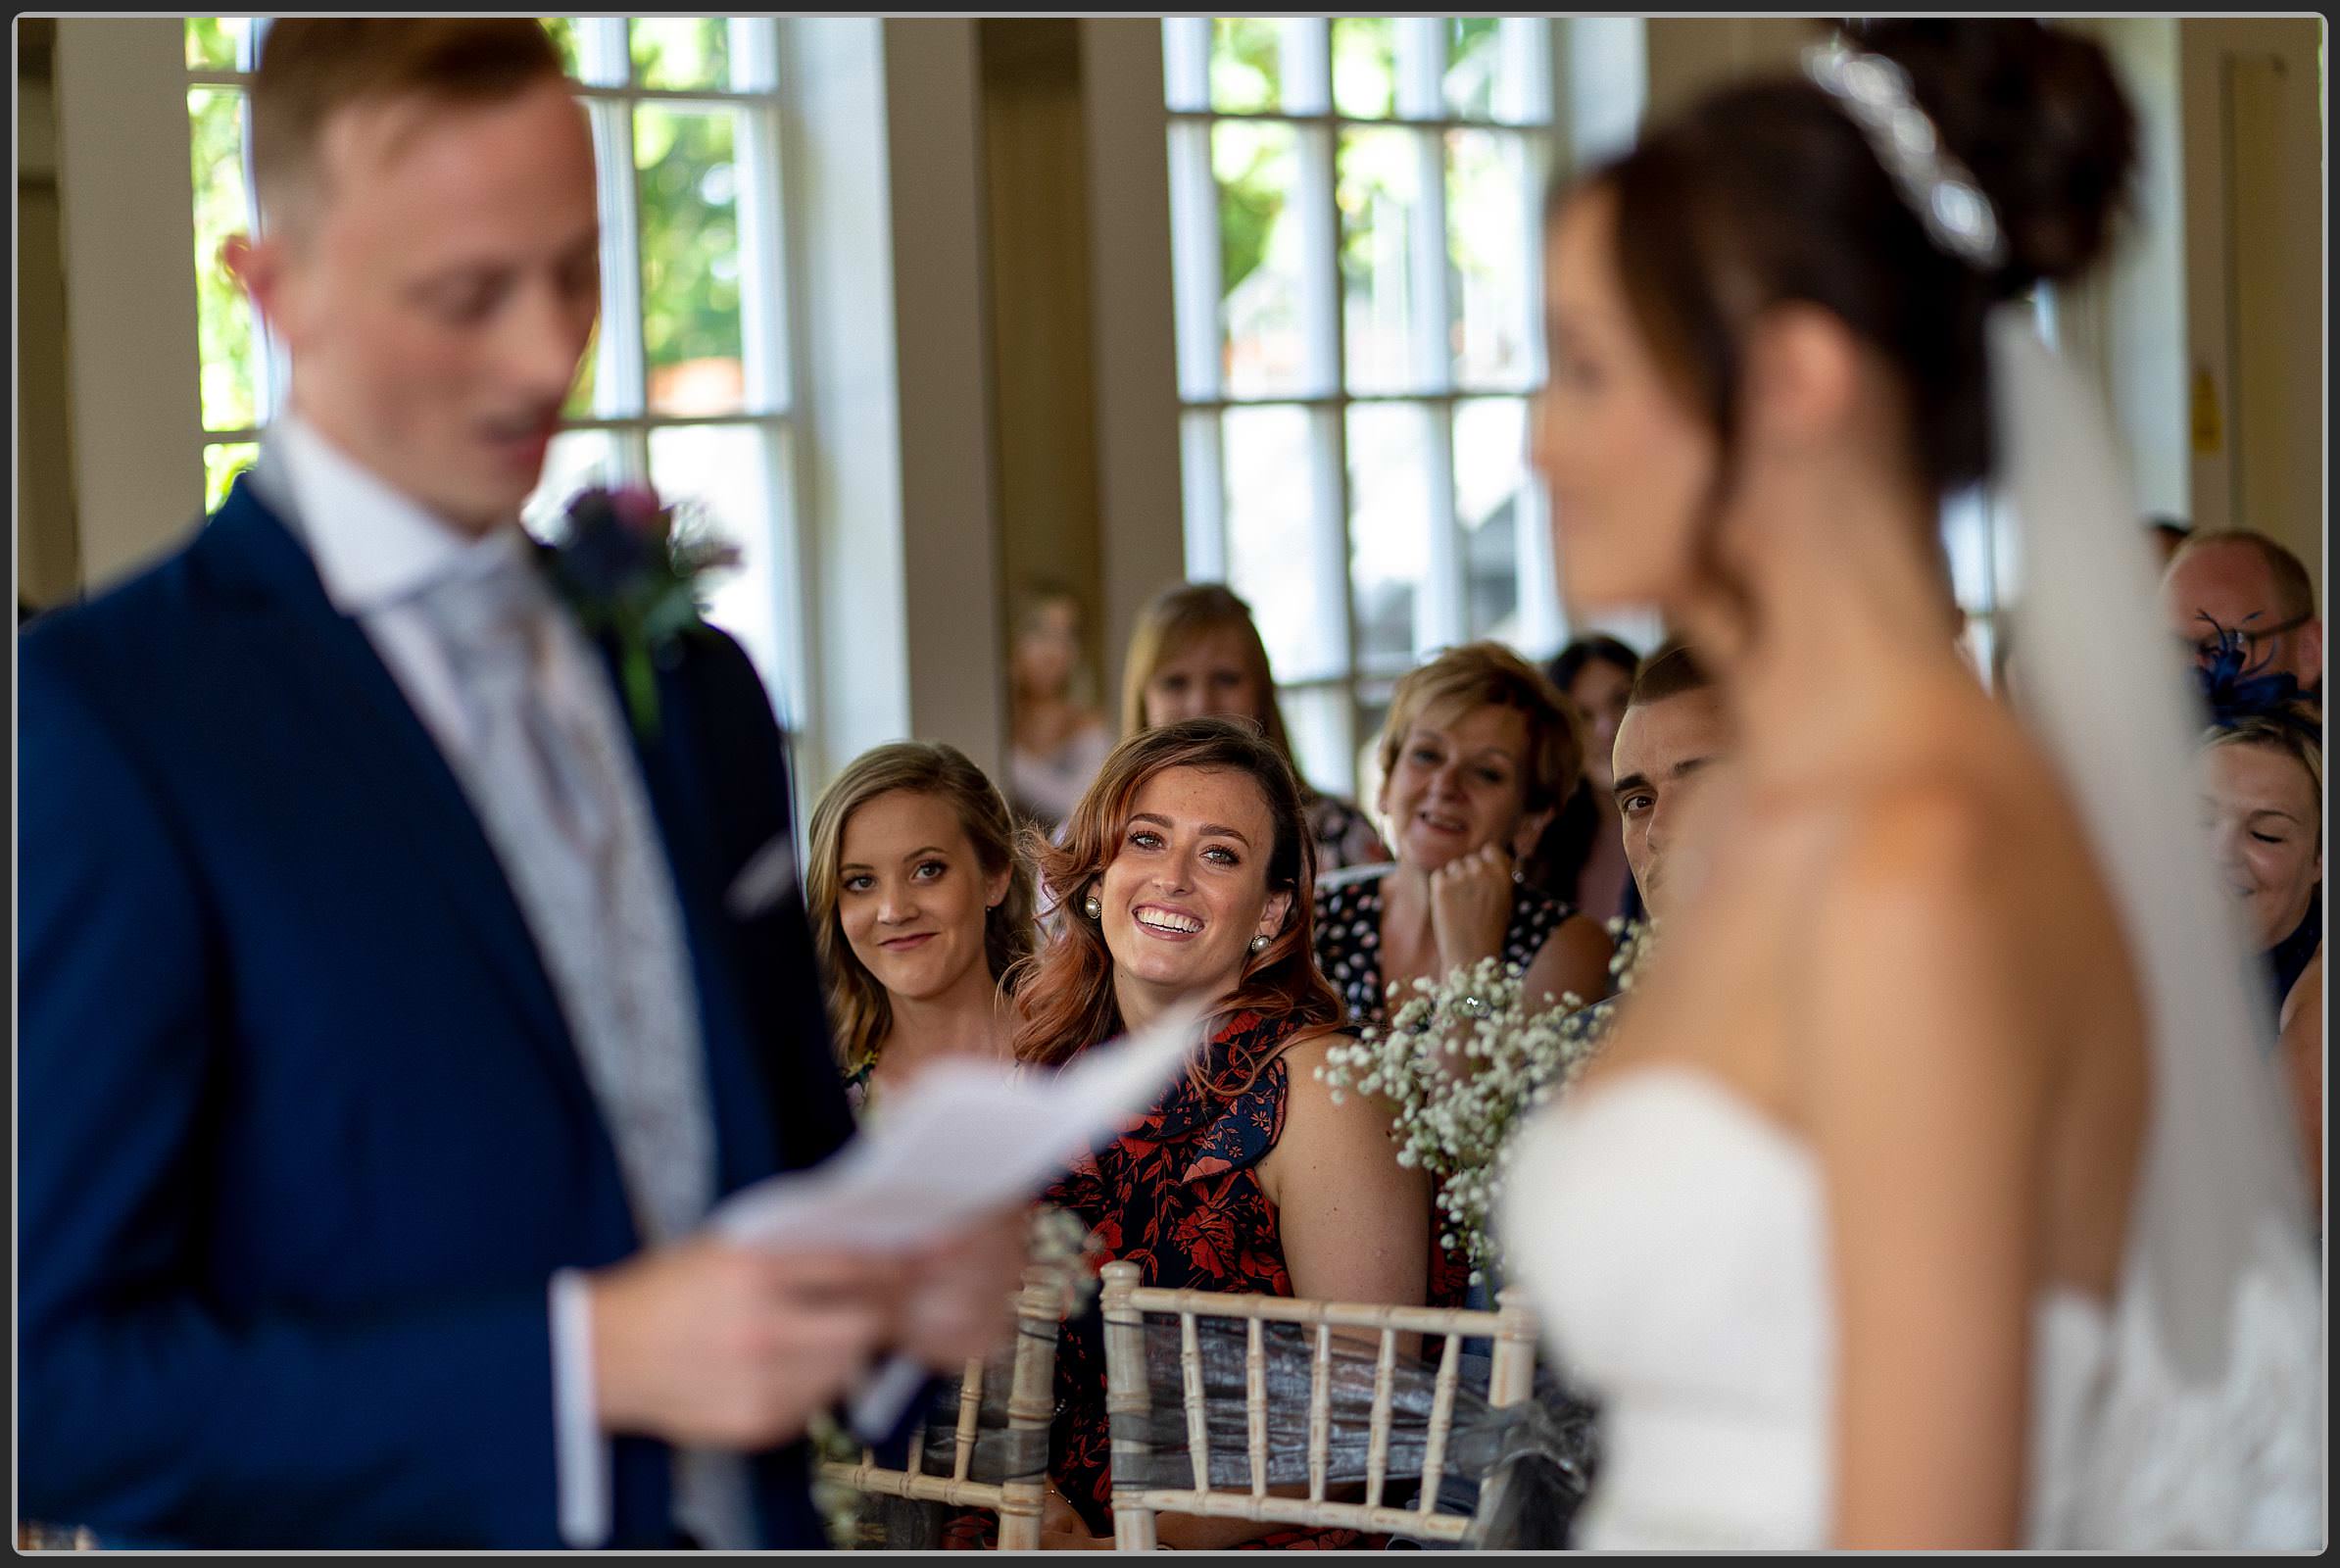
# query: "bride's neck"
1845,618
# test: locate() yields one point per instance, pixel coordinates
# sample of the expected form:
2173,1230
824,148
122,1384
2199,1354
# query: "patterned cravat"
565,808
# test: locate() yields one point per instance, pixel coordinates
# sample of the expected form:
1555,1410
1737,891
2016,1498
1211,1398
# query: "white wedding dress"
1673,1240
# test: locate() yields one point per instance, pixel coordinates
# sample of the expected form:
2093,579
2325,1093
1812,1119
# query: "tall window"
1980,537
687,384
1354,215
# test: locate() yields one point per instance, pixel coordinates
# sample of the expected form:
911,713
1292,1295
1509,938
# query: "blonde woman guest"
2263,793
1058,739
920,907
1477,753
1196,654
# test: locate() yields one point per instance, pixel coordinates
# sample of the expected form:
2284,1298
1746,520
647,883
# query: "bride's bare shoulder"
1926,883
1917,839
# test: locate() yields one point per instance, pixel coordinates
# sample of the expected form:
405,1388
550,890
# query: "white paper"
962,1141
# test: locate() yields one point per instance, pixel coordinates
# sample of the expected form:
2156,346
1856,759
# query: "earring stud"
1261,944
1091,908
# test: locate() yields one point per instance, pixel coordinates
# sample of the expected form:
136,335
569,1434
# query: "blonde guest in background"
1196,654
1059,739
2262,795
1477,752
920,907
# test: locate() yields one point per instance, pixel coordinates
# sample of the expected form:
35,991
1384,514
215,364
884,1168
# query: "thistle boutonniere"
631,568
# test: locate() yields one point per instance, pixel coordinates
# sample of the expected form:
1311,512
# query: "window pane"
1487,201
690,335
580,393
1204,494
1379,187
1390,515
681,52
1263,344
564,39
1979,638
1965,527
1246,65
1271,510
726,472
1473,56
215,43
1317,718
578,459
220,465
1373,711
223,317
2007,555
1186,63
1364,66
1265,350
1490,482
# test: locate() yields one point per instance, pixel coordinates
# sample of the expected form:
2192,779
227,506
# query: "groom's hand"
959,1304
712,1345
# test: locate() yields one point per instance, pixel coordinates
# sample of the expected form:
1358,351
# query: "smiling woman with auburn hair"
1187,875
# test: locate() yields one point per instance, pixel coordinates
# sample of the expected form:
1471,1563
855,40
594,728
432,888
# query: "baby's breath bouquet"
1463,1064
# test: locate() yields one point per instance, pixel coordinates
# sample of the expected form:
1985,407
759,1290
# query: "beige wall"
2254,279
897,493
2128,320
133,374
1141,509
1043,397
1687,55
48,544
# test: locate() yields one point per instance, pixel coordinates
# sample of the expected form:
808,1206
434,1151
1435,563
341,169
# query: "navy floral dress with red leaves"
1178,1193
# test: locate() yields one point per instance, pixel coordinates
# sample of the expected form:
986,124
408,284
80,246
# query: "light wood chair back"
1126,1305
1031,1402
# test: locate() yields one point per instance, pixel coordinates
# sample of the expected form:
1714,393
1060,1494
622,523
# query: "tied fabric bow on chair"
1532,1461
1540,1468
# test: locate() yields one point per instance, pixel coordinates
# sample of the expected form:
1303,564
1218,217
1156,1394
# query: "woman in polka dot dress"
1478,753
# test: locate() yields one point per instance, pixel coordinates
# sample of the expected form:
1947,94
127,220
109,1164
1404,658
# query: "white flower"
1458,1124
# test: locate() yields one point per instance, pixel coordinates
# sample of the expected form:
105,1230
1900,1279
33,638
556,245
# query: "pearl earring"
1091,908
1259,944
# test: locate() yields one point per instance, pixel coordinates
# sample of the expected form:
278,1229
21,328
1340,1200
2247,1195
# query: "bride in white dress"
1932,1192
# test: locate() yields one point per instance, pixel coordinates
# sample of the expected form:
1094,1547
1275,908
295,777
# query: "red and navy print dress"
1178,1195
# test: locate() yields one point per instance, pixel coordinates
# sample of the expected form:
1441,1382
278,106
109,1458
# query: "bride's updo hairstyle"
1767,193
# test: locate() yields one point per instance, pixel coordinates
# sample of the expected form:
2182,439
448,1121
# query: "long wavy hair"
1066,988
1170,624
860,1013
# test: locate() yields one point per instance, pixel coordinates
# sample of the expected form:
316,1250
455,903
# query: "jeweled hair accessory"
1875,93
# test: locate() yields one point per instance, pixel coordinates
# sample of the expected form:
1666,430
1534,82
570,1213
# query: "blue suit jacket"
303,1133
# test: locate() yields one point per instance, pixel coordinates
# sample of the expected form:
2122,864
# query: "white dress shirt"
377,552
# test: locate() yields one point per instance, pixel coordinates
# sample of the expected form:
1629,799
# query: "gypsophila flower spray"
1463,1064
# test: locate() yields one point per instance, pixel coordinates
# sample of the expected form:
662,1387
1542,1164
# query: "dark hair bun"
2038,116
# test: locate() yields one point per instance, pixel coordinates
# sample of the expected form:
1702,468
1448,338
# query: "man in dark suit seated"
396,1000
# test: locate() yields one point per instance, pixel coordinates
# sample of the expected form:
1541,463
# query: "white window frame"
1441,616
605,85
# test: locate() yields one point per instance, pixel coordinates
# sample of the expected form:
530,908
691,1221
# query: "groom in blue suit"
395,1000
